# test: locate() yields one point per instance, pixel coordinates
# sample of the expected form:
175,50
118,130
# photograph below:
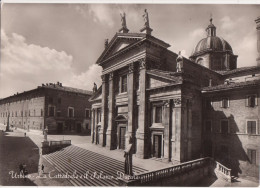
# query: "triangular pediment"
120,42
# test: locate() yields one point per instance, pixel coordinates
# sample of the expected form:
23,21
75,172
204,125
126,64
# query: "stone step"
83,160
80,168
68,167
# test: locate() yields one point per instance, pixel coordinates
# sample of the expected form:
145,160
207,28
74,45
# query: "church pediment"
121,41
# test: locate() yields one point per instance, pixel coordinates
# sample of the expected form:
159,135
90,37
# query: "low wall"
52,146
185,174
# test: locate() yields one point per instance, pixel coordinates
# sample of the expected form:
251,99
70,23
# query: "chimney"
43,85
60,84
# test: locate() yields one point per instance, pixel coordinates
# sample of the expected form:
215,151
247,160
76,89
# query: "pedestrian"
24,134
25,174
21,168
42,168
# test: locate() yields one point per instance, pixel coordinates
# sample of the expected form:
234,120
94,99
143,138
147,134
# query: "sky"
46,43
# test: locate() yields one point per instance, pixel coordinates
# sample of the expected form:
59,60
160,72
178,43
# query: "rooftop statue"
123,20
146,18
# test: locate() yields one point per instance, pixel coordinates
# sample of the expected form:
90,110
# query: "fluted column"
142,132
102,132
111,134
131,104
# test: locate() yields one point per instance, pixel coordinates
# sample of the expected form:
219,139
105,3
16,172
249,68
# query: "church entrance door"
157,146
122,131
60,127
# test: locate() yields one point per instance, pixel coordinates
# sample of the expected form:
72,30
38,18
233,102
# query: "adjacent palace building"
58,108
178,109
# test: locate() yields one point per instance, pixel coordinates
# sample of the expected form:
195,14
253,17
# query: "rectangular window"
71,112
58,113
225,103
22,113
51,111
87,114
251,156
251,100
251,127
224,126
124,84
41,112
98,115
158,114
208,127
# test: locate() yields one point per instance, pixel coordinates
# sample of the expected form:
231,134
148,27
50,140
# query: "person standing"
42,168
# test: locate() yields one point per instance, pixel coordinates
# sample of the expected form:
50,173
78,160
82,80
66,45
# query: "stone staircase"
89,168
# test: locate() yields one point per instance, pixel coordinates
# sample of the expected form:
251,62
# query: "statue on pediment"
123,20
146,18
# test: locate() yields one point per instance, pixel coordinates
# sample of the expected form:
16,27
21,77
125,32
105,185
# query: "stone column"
166,124
189,129
131,104
93,125
176,130
111,134
258,39
102,133
141,133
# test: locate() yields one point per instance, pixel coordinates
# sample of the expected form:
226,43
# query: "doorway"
78,127
122,131
157,146
60,127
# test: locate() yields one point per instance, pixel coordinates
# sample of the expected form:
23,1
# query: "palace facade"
178,109
60,109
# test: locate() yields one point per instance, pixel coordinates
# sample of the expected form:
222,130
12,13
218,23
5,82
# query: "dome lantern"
211,29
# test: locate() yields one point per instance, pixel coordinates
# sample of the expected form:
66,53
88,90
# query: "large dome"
211,43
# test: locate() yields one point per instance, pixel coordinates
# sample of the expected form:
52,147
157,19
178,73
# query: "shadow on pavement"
15,149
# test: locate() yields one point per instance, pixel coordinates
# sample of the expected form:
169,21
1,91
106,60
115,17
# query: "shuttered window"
251,156
251,127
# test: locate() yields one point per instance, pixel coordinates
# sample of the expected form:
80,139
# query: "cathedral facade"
177,109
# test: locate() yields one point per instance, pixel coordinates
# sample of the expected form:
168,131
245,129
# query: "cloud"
102,14
24,66
86,79
198,33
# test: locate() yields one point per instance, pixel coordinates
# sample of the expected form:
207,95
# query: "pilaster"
102,132
93,126
111,129
131,104
142,132
176,130
166,123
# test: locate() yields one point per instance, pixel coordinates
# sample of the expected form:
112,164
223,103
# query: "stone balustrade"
223,171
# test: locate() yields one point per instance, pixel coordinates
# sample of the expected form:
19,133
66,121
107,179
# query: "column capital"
142,63
104,77
177,102
166,103
111,75
131,68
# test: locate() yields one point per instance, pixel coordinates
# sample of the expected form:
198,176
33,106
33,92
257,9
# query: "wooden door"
157,146
122,138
